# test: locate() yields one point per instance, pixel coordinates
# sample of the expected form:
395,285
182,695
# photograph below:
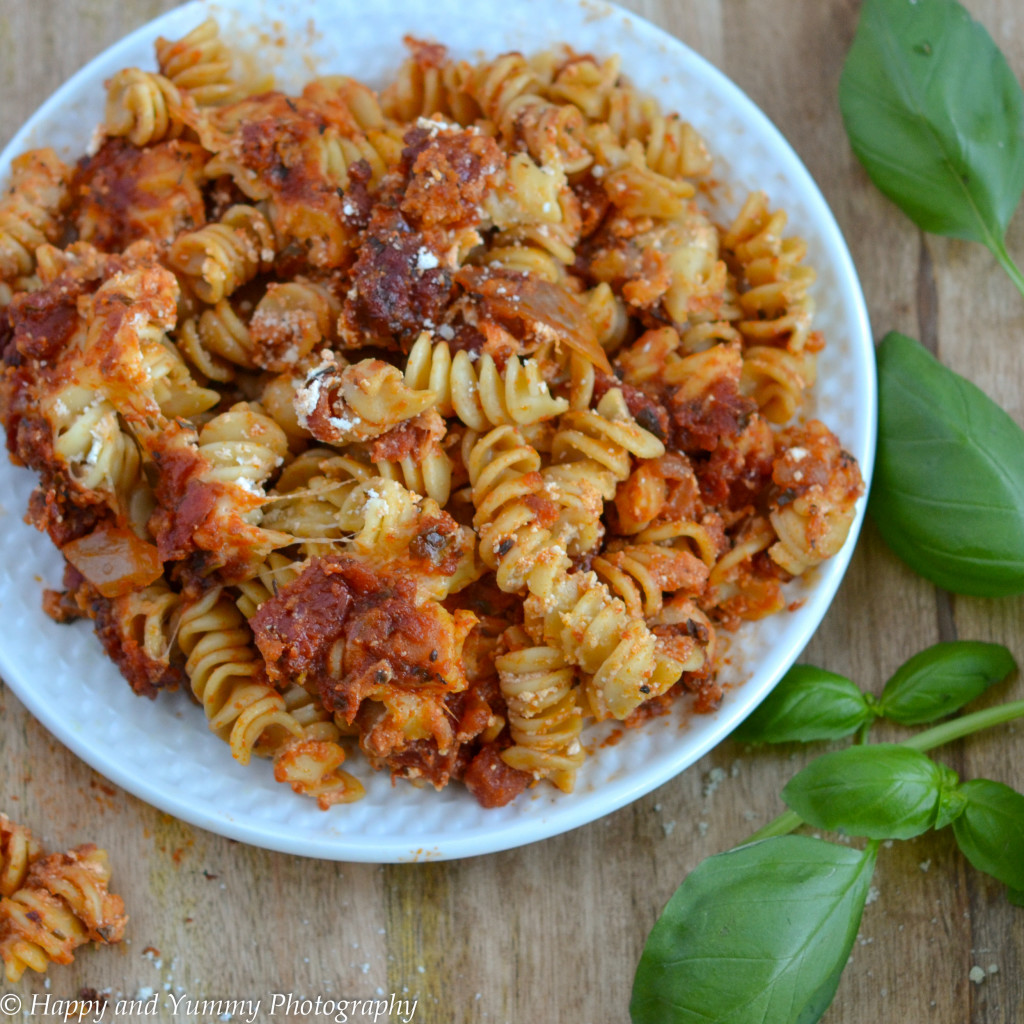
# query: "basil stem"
938,736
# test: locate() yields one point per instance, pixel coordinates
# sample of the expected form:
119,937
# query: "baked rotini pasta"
434,424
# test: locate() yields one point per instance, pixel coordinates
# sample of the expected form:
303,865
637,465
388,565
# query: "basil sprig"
761,933
936,116
948,492
811,704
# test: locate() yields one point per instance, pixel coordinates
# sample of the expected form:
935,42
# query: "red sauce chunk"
357,632
491,781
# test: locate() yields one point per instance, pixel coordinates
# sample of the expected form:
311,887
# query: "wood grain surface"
552,932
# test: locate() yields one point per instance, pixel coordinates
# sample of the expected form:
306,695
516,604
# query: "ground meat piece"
437,545
43,322
465,338
450,173
61,606
469,714
125,193
698,424
740,468
396,288
295,630
594,203
525,304
357,632
412,436
358,202
491,781
811,456
421,759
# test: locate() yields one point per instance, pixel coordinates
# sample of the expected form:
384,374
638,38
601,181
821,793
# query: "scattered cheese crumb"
715,778
977,975
426,260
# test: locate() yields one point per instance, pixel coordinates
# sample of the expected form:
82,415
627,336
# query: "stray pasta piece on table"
52,904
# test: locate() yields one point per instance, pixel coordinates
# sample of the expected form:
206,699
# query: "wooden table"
552,932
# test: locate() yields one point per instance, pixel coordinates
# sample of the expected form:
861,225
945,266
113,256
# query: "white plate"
161,750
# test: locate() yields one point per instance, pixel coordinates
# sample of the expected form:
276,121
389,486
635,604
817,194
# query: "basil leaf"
882,791
948,492
1016,897
941,679
936,117
759,934
807,704
990,832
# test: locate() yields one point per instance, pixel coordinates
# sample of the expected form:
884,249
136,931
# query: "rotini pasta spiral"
220,257
509,93
429,83
289,321
278,571
811,525
426,467
776,307
89,439
672,147
545,720
227,677
504,473
577,614
30,209
18,848
311,495
573,612
606,437
776,379
380,149
640,574
242,447
143,106
200,64
217,341
61,903
174,390
477,393
358,402
145,622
